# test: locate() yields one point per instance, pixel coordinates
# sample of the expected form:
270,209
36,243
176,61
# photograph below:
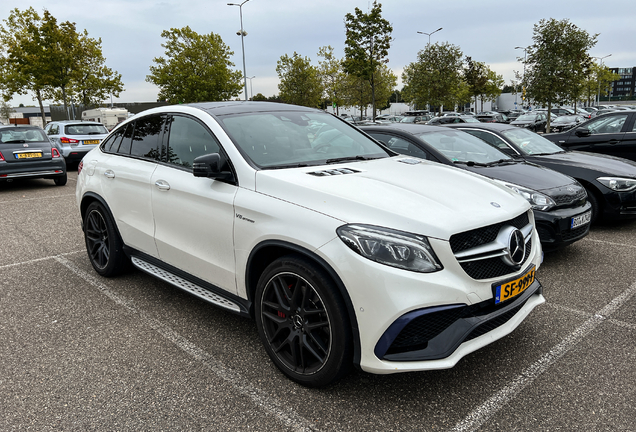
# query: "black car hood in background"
523,174
610,165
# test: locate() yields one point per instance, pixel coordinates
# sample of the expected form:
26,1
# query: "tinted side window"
111,144
146,137
53,129
609,124
188,140
400,145
126,141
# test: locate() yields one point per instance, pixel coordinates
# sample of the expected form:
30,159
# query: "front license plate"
91,141
581,220
28,155
514,287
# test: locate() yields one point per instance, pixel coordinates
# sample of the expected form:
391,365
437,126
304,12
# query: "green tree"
436,77
332,76
196,68
259,97
94,82
476,77
23,63
492,90
368,39
5,110
556,62
597,81
300,82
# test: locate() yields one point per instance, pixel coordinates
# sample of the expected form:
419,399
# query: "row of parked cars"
388,247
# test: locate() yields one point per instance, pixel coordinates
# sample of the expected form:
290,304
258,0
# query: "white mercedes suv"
343,252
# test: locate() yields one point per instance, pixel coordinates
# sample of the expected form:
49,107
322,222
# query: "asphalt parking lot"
80,352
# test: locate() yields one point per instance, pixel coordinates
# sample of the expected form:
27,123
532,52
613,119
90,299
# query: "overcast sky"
486,30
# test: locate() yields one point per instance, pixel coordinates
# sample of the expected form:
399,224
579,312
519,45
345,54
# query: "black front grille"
419,331
479,236
491,267
494,323
565,198
575,233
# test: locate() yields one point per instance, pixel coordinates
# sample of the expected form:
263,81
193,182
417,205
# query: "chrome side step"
185,285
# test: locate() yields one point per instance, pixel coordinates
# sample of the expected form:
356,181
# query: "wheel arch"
268,251
88,199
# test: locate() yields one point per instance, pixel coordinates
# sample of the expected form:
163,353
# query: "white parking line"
494,404
277,409
609,243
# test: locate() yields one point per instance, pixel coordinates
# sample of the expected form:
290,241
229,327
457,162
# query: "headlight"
618,184
537,200
391,247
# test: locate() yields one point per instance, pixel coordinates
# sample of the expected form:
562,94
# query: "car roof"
67,122
241,107
488,126
14,126
411,128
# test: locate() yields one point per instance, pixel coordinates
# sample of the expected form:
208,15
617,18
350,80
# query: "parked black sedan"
535,121
26,152
610,181
561,210
611,134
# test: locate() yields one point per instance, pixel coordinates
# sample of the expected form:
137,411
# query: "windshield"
86,129
292,139
459,146
22,135
527,117
530,143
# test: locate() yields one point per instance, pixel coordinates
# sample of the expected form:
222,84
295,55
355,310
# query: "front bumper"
554,226
381,295
619,205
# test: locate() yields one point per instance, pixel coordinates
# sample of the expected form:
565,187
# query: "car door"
134,149
600,135
627,147
194,216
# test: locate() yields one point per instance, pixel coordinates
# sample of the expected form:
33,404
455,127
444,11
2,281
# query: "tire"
103,243
61,180
593,200
303,323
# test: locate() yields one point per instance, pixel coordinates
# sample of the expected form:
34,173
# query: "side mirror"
582,132
212,166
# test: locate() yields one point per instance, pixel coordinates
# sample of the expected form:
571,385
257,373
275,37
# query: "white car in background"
343,252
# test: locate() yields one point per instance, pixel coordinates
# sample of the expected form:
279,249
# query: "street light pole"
251,92
429,43
598,102
242,33
429,34
523,87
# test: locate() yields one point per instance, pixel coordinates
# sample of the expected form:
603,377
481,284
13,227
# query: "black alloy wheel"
302,322
103,244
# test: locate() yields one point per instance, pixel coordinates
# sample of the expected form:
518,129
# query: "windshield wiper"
501,162
546,154
348,158
470,163
283,166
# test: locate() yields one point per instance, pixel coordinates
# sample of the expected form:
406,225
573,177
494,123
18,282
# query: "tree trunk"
38,95
65,104
547,125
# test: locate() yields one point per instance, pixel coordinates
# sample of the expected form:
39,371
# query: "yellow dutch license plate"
91,141
28,155
514,287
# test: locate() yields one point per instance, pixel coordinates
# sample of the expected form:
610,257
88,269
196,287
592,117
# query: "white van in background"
109,117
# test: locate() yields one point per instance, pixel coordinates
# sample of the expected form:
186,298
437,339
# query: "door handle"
613,141
109,173
162,185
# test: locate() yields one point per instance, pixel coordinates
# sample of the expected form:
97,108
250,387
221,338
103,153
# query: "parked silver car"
75,138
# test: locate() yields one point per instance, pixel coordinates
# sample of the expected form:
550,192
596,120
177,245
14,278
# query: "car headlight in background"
391,247
618,184
537,200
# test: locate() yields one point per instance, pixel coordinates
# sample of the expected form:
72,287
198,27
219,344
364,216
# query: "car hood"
423,197
524,174
601,163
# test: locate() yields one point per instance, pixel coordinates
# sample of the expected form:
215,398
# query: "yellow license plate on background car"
91,141
513,288
28,155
